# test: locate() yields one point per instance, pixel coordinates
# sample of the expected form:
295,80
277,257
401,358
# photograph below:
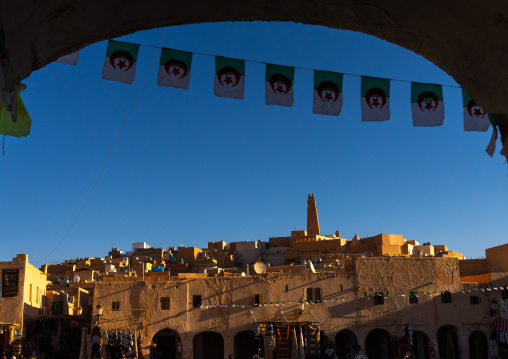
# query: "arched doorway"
377,344
478,345
247,344
208,345
420,345
448,342
346,344
166,344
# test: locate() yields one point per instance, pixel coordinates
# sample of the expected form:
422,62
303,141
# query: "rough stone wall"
497,258
394,275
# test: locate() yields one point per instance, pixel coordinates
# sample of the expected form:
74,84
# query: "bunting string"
235,304
296,67
175,67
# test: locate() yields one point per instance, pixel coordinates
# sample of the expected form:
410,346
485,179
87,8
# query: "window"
165,303
10,282
258,299
504,294
379,299
341,289
314,294
446,297
30,293
413,297
37,296
196,301
115,306
287,288
474,299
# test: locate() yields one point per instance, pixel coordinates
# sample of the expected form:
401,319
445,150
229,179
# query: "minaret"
312,217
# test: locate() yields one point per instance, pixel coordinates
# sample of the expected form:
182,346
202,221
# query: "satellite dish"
312,269
259,267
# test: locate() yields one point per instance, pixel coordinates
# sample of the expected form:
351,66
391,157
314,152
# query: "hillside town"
304,295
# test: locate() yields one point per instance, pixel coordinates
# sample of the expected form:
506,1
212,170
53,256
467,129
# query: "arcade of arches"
379,343
466,40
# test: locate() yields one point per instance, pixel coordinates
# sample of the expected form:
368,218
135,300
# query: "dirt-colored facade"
346,301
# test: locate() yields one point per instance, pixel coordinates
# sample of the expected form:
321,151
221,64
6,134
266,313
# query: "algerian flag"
120,64
475,117
427,104
229,77
279,85
174,68
327,93
375,99
16,126
70,59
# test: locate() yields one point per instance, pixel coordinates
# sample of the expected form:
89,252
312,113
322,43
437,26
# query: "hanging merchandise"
312,340
283,342
270,338
15,122
70,59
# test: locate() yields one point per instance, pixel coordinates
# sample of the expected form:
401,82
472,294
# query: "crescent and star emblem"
179,68
373,96
478,111
328,87
228,72
280,80
121,60
425,96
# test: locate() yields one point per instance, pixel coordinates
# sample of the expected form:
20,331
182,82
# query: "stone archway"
166,344
39,32
208,345
448,342
377,344
247,344
346,344
478,345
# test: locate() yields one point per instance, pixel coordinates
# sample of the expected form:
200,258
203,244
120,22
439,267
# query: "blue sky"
191,168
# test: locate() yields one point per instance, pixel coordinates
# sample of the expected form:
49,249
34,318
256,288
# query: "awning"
501,325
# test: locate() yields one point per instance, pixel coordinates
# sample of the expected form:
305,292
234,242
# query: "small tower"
312,217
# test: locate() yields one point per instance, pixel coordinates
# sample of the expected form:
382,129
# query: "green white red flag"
279,85
120,64
427,104
327,93
475,117
229,77
174,68
18,125
375,99
70,59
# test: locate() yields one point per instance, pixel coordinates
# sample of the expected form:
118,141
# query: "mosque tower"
312,217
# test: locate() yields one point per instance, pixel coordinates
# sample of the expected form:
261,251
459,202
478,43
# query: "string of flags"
343,299
427,105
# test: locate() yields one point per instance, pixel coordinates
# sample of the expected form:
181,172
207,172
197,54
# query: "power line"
297,67
108,158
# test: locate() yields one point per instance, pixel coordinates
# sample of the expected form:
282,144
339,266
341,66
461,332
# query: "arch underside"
466,39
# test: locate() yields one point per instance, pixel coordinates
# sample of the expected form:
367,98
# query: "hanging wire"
109,156
298,67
